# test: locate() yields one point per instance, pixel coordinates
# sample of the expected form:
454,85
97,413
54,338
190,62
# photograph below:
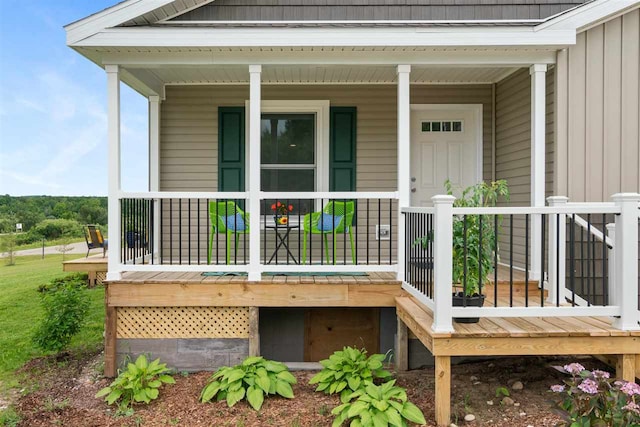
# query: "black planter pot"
132,237
469,301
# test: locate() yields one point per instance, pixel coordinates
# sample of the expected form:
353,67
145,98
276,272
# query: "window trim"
321,110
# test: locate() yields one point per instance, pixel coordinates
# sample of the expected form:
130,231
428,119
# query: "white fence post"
442,260
626,260
557,251
611,264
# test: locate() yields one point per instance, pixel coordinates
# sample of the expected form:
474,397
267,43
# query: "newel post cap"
626,197
443,199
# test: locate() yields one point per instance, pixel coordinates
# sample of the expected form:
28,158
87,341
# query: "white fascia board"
109,18
338,37
588,14
461,58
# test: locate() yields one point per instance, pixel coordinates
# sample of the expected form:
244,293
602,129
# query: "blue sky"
53,107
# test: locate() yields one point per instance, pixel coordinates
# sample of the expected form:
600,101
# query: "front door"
446,143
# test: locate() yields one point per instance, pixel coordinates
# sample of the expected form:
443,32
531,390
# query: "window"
288,152
442,126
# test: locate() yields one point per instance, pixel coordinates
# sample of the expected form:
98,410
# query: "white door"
446,143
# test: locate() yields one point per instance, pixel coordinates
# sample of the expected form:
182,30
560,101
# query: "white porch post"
626,260
442,262
404,158
538,124
114,268
154,168
557,250
254,172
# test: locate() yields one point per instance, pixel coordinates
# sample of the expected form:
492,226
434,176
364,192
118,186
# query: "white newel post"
404,158
626,260
154,169
443,265
557,250
254,172
611,264
538,125
114,268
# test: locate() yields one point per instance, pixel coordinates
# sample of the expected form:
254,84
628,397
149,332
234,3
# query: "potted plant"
281,213
479,254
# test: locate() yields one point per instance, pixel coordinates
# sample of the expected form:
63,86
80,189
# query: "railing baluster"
572,259
180,231
542,258
605,277
390,231
198,234
379,225
558,260
510,260
589,295
480,255
368,232
161,237
189,228
464,261
170,231
495,261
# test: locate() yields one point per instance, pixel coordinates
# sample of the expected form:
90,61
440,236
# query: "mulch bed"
60,391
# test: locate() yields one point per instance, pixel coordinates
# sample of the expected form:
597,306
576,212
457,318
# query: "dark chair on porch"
94,239
336,218
226,217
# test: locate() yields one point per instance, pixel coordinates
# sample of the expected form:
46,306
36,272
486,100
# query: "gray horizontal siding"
268,10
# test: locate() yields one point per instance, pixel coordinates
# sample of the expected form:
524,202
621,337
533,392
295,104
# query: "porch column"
254,172
538,129
114,182
404,158
154,168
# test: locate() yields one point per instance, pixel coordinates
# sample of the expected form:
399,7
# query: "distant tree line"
50,217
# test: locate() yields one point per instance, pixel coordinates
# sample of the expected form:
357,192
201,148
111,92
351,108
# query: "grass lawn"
20,311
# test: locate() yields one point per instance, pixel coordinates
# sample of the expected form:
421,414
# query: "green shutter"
342,150
231,149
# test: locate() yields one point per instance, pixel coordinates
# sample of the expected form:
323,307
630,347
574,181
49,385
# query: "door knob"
413,179
413,190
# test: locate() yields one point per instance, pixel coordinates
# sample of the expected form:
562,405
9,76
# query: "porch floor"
514,336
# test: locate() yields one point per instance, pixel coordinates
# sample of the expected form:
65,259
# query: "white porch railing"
210,231
585,276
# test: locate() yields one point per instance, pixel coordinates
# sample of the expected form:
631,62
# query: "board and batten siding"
513,150
302,10
189,127
598,138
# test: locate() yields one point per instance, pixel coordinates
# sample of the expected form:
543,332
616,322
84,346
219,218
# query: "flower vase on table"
281,213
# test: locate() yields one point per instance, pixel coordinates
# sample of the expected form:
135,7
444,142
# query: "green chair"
335,218
226,217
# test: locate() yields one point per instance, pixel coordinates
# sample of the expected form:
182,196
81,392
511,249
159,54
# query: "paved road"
75,248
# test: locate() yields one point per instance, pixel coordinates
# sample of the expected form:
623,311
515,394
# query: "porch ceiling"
317,74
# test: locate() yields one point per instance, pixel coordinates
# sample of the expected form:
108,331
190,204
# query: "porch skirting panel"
183,322
192,354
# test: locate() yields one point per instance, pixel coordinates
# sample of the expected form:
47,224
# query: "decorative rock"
517,385
452,425
469,417
516,404
477,382
491,365
507,401
493,380
473,378
523,414
490,402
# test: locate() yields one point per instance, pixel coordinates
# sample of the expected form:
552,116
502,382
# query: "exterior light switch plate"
383,232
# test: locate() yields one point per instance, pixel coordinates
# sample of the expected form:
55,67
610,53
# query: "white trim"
588,14
535,311
477,109
339,37
182,195
321,109
583,208
364,22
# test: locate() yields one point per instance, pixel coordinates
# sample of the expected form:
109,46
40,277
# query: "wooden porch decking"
95,266
515,336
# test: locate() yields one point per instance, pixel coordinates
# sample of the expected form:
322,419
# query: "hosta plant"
253,379
593,399
348,370
139,383
379,406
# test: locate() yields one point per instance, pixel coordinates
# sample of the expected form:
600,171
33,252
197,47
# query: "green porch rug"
274,273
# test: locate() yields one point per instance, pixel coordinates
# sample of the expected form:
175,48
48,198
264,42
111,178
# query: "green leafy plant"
139,383
593,399
467,247
253,379
66,307
378,406
502,392
348,370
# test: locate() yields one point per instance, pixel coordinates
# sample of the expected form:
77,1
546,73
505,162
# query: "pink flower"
589,386
632,407
598,374
630,389
558,388
574,368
